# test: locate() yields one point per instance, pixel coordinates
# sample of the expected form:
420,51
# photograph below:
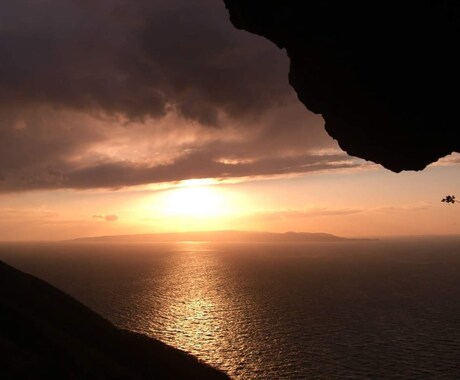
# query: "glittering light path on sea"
385,309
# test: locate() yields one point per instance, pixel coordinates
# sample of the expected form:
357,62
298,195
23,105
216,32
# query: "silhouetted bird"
449,199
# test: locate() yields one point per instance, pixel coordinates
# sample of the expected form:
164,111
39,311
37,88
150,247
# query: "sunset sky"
121,117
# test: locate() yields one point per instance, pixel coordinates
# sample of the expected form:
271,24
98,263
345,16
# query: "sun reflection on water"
194,312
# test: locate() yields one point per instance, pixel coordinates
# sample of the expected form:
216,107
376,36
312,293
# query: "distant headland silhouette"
217,236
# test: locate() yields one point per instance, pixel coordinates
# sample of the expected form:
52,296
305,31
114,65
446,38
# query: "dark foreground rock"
46,334
384,74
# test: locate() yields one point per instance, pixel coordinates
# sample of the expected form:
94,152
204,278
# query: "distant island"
216,236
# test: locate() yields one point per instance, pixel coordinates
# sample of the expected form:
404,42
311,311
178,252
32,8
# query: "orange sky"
357,202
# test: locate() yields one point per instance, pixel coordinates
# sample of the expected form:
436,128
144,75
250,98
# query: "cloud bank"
109,94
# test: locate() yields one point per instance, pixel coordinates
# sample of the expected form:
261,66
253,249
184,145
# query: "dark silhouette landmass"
46,334
217,236
384,74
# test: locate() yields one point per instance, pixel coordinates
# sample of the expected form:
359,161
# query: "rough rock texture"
384,74
46,334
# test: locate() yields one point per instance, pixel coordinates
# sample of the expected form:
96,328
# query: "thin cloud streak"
270,216
107,218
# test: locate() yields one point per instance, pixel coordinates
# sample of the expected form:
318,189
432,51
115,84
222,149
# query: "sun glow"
193,205
195,201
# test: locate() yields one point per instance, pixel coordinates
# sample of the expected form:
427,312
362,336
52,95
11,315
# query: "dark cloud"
120,93
195,165
41,135
136,58
43,148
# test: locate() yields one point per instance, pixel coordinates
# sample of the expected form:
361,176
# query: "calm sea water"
369,309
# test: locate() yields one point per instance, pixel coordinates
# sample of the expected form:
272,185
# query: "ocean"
385,308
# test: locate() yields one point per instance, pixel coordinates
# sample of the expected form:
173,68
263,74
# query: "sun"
194,201
198,204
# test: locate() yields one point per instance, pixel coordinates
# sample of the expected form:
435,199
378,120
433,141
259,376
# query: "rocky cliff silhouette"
384,74
46,334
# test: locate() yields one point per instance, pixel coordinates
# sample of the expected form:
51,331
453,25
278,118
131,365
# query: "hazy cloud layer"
302,214
119,93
